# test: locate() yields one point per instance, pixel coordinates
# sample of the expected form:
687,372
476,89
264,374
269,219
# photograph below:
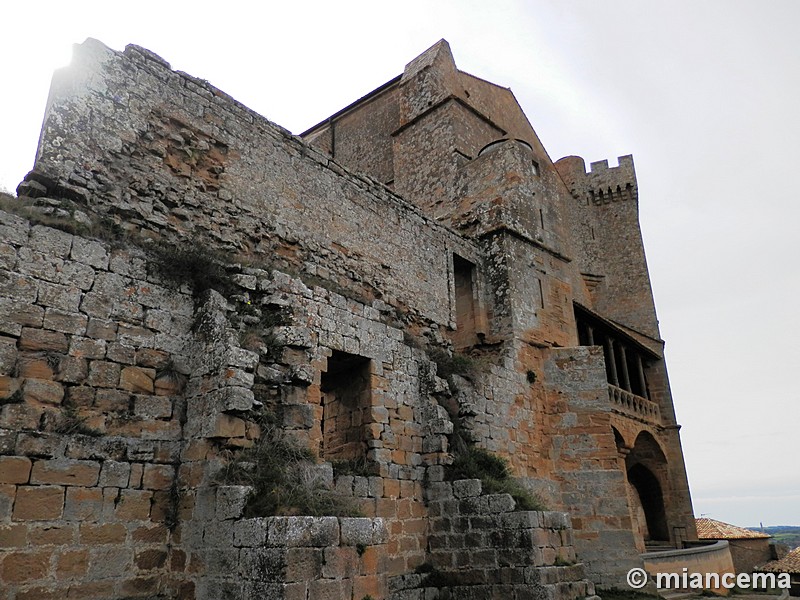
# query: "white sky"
703,94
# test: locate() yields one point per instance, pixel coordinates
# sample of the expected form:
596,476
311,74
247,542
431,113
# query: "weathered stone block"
147,560
121,353
110,562
263,564
114,474
22,567
54,295
40,390
89,252
42,340
250,532
72,369
303,531
65,472
330,589
87,348
65,322
72,564
363,531
14,469
39,503
83,503
467,488
137,379
8,355
52,242
341,562
107,533
133,505
237,398
150,407
103,374
228,426
13,536
231,500
50,534
500,503
15,315
158,477
45,445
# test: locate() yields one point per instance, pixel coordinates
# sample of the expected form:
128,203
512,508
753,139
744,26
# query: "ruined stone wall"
166,153
124,396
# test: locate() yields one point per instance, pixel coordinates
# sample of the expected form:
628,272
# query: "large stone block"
363,531
137,379
65,472
41,390
303,531
39,503
14,469
43,340
22,567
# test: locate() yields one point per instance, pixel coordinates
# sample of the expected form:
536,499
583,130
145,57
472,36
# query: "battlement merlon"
601,184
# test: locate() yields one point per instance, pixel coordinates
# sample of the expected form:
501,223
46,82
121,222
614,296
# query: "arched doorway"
646,470
647,490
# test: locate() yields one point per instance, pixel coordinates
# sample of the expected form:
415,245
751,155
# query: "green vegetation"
448,364
359,467
783,534
70,423
471,462
284,481
622,594
193,264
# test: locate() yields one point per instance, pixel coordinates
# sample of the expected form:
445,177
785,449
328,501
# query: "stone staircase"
481,548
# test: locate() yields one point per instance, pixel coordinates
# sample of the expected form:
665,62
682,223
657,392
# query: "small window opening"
466,312
346,407
536,170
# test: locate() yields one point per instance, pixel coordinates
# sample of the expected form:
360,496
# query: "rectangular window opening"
466,311
346,407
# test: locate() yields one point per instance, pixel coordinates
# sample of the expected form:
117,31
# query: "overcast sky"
703,93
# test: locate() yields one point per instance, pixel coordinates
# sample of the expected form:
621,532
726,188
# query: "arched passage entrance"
646,471
647,490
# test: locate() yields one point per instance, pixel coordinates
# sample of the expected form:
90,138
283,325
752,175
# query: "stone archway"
648,503
646,469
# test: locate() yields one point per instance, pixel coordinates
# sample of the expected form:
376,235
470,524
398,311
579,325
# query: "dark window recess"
466,311
346,407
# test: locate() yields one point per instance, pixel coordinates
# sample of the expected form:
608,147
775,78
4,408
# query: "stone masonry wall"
92,368
165,153
285,558
125,391
593,486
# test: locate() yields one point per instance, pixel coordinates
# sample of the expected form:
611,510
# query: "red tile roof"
710,529
788,564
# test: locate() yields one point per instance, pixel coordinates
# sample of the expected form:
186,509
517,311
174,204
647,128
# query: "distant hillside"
783,534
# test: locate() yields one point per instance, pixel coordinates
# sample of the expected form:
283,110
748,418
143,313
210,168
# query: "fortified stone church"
411,277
